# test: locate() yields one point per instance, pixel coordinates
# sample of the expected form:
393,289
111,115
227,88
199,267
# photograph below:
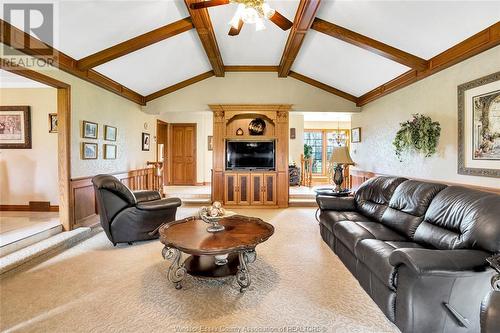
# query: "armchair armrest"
426,261
142,196
162,204
326,202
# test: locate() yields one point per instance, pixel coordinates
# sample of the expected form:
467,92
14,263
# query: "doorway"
182,159
162,150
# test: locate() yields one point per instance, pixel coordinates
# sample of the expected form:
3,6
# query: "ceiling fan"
250,12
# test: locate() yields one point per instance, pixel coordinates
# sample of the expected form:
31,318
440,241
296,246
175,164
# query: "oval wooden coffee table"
213,255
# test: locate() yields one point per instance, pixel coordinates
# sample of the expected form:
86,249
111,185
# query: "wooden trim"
203,24
480,42
135,43
303,21
251,68
17,39
179,85
369,44
26,208
63,136
365,175
323,86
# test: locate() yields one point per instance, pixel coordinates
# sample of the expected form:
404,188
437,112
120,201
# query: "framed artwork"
210,143
89,151
52,122
109,152
292,133
90,130
479,127
146,141
109,133
15,127
356,134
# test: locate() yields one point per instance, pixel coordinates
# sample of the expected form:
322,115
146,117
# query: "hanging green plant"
308,151
419,134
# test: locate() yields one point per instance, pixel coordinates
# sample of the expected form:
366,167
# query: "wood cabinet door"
230,189
244,192
256,189
269,193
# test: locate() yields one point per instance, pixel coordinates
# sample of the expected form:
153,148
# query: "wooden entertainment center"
253,188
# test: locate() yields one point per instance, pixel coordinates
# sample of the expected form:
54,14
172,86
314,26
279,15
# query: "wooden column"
219,132
282,155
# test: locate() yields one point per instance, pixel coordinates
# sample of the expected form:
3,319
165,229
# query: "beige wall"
250,88
327,125
435,96
31,174
91,103
204,128
296,146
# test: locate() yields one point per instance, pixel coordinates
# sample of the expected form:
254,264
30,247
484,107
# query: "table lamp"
340,157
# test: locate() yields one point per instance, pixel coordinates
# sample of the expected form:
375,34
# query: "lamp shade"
341,155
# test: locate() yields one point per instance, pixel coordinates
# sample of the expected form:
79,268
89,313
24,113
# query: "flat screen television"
249,155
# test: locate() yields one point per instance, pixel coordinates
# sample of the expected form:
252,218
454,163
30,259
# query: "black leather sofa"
128,216
418,249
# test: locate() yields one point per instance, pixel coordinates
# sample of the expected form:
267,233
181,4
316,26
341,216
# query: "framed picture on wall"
52,122
479,127
109,133
356,134
146,141
89,151
210,143
15,127
109,152
90,130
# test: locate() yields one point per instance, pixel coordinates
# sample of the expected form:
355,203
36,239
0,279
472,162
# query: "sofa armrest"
162,204
426,261
146,195
326,202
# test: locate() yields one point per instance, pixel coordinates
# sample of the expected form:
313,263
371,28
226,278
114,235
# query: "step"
60,241
302,203
27,238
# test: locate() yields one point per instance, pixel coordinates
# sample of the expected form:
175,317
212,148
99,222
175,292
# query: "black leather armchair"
128,216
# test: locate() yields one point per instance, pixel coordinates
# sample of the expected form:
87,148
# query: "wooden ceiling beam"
203,24
323,86
301,24
179,85
480,42
18,40
251,68
135,43
369,44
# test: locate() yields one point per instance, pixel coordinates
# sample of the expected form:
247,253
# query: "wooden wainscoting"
83,197
358,177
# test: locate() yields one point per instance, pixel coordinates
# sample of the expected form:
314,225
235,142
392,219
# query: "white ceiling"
252,47
423,28
10,80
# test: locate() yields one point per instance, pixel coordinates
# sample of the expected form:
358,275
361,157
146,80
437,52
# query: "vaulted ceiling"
353,47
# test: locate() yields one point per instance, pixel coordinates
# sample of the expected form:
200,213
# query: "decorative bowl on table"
213,215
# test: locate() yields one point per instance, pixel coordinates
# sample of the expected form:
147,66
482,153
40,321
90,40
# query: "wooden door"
161,149
256,189
183,154
244,192
230,189
269,189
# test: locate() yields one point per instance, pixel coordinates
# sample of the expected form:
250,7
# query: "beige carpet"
298,285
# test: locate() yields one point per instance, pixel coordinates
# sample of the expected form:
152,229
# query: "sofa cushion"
375,255
373,196
328,218
461,218
408,205
350,233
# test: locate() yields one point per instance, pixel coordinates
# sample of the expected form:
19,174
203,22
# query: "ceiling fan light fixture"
237,16
259,24
268,11
250,15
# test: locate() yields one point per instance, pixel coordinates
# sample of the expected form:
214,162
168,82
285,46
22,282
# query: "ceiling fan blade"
236,31
209,3
281,21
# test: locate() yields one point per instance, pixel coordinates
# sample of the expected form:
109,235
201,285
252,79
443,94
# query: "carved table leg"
176,271
243,274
